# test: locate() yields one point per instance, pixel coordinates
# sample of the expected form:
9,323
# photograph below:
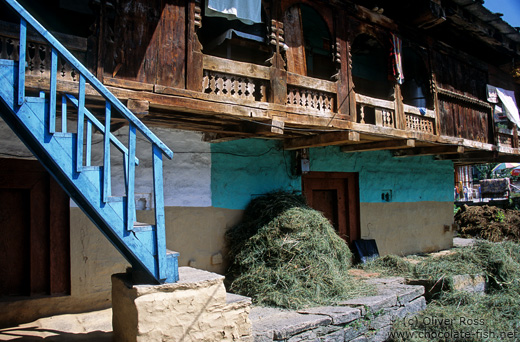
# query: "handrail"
87,75
100,127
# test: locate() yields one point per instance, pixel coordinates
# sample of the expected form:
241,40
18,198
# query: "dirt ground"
488,222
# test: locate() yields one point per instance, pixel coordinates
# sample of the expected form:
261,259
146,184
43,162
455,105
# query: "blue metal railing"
84,134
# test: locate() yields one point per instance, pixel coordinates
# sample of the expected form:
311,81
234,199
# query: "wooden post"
277,72
194,55
400,119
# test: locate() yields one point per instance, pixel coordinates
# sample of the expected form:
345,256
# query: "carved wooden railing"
375,111
38,55
419,119
226,78
314,96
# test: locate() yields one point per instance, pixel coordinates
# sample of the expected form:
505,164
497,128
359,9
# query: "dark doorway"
336,195
34,225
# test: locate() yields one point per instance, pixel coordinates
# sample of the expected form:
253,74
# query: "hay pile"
285,254
489,223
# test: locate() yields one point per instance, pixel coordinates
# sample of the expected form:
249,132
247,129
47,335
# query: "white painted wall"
187,177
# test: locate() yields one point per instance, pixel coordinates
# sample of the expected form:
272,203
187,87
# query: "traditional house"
364,106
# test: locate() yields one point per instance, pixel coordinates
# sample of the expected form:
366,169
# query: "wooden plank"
22,62
296,62
80,124
39,236
323,139
52,92
170,45
59,238
138,107
311,83
374,102
160,225
427,151
128,84
229,66
130,184
380,145
107,178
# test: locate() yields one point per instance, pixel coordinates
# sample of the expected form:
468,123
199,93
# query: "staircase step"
142,227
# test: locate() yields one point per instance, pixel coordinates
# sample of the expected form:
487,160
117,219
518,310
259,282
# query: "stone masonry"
360,319
196,308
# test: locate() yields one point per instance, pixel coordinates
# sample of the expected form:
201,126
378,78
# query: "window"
309,41
241,38
370,68
416,87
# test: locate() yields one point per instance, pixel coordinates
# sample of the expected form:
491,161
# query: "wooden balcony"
238,99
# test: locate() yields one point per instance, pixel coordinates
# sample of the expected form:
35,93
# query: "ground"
488,222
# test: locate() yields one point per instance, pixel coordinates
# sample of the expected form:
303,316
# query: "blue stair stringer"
144,246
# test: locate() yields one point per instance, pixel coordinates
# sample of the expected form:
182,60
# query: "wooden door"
336,195
34,230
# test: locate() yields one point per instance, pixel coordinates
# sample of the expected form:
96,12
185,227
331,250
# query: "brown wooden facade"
156,56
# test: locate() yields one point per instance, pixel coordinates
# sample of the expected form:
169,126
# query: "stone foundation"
196,308
360,319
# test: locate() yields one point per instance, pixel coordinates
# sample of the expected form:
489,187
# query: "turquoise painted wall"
411,179
242,169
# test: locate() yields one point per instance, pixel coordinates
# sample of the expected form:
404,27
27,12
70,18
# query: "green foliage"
288,255
500,216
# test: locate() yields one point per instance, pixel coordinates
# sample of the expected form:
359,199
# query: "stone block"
469,283
355,329
373,303
358,339
193,309
283,326
404,293
380,335
338,336
338,314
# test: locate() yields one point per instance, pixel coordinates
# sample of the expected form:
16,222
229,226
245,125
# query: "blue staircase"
68,156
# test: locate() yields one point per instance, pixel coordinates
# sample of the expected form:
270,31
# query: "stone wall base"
196,308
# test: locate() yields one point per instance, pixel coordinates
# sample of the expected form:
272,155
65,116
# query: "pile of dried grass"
286,254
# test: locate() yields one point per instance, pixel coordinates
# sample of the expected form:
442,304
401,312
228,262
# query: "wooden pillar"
194,64
344,77
277,72
400,119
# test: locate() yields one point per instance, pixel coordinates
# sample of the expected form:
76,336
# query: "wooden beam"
380,145
324,139
429,151
139,107
477,157
218,137
271,127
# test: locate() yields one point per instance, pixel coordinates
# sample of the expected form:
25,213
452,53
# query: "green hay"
497,312
288,255
389,265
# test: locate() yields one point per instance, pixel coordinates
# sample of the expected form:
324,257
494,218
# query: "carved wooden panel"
421,124
228,85
38,59
310,98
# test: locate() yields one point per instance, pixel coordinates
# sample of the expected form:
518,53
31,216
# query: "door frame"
348,202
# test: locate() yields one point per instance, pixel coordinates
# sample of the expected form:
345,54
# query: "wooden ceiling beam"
479,157
323,139
380,145
429,151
